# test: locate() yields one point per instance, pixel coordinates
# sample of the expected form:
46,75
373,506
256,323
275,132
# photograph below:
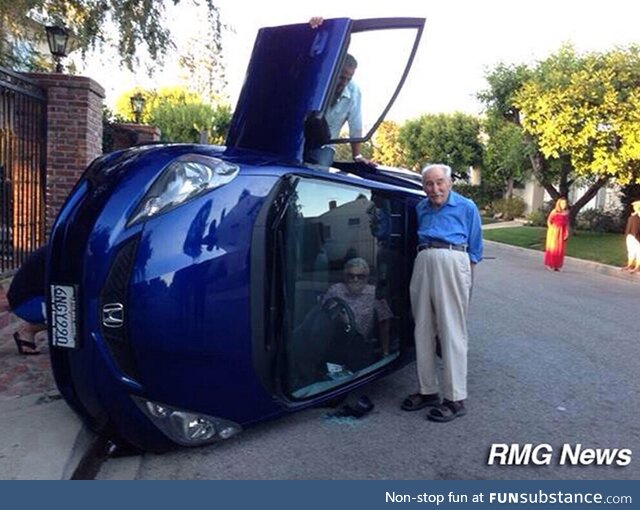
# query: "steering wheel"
338,310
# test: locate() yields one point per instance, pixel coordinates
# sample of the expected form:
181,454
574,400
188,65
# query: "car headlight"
184,178
185,427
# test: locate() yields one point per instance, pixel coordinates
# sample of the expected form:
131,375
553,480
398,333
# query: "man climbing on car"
345,107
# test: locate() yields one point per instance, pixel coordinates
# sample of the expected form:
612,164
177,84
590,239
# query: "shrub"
482,195
597,220
508,208
539,218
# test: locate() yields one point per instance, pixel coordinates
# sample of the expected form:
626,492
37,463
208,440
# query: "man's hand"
359,158
316,21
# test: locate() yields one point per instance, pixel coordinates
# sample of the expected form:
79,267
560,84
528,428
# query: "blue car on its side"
188,284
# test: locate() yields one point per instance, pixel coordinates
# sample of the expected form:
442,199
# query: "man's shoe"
419,401
447,411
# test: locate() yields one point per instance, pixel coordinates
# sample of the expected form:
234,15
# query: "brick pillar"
74,133
126,135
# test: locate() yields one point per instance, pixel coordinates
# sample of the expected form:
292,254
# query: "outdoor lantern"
58,38
137,105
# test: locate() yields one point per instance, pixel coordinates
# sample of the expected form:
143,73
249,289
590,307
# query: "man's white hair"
432,166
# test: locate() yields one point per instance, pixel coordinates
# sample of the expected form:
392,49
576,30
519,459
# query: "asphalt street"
553,360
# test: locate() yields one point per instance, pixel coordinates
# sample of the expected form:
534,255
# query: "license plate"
64,316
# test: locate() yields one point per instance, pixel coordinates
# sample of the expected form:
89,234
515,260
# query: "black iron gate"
22,168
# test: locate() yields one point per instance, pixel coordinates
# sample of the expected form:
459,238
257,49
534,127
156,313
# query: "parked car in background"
187,282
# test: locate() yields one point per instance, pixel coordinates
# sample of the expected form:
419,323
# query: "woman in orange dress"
557,234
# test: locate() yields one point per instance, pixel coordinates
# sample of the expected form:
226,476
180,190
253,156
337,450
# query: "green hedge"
482,195
507,208
592,220
596,220
539,218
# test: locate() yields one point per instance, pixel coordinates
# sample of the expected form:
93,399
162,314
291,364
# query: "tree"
507,148
504,83
580,117
185,122
109,123
629,194
343,151
585,112
203,66
505,158
180,114
18,36
386,145
152,98
453,139
135,27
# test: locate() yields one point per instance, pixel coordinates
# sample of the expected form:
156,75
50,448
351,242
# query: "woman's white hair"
431,166
356,263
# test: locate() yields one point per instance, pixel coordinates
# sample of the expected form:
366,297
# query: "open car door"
294,73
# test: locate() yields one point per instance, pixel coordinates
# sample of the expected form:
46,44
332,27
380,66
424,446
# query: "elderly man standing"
450,244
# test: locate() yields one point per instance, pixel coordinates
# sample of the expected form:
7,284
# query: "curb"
81,464
43,439
587,265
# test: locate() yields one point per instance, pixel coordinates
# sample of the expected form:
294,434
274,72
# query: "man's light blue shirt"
457,221
346,109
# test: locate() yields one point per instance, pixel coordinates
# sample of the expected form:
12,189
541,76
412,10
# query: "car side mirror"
316,131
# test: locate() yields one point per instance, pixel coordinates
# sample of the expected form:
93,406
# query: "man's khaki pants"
440,290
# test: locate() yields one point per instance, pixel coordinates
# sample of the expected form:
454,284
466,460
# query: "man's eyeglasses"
356,276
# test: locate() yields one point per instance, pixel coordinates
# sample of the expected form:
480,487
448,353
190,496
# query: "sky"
462,40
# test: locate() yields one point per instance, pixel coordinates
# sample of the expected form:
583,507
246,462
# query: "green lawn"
605,248
486,220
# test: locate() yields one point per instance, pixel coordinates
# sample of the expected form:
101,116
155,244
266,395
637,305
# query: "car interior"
335,329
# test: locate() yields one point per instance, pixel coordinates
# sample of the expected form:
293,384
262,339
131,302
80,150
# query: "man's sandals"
419,401
447,411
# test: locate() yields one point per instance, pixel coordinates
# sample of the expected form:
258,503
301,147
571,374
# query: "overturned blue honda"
197,290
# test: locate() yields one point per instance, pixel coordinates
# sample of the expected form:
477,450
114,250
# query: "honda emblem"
113,315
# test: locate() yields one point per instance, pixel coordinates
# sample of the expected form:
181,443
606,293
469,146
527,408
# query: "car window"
381,57
343,284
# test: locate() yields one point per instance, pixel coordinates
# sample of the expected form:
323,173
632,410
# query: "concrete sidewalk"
504,224
42,438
